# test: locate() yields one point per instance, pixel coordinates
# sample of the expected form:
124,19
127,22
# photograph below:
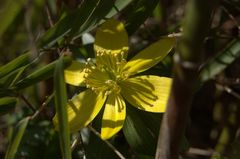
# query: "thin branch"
200,152
44,104
230,16
36,113
27,102
49,16
179,34
107,142
228,81
79,141
228,90
76,142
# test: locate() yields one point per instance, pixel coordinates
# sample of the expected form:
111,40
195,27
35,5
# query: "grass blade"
16,139
61,110
7,104
13,65
40,74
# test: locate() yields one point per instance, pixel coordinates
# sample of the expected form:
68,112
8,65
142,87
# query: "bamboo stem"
186,67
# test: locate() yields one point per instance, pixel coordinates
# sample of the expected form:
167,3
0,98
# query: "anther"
109,81
122,54
89,60
107,93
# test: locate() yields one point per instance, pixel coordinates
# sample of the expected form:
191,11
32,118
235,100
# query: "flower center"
104,76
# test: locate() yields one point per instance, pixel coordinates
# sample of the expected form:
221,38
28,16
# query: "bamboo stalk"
186,69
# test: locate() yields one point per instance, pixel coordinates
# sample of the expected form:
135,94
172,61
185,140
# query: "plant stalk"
187,62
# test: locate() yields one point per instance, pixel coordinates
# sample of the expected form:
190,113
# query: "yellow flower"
111,78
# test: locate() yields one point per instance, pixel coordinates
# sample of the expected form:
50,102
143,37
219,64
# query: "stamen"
125,75
89,60
107,93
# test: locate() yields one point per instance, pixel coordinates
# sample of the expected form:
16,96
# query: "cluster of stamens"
101,78
112,87
104,75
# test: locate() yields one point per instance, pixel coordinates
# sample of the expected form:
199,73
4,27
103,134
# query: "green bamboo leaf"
7,104
104,9
141,130
61,110
222,61
11,78
82,20
40,74
6,92
14,64
142,10
118,6
11,9
16,139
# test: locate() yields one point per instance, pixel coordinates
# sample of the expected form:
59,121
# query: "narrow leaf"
82,20
141,130
61,110
11,78
118,6
222,61
16,139
7,104
13,65
141,11
9,13
41,74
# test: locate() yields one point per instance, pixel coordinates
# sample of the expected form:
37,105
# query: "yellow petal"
82,109
149,56
149,93
74,73
113,116
111,37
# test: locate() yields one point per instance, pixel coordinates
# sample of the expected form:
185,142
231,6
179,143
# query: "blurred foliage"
35,34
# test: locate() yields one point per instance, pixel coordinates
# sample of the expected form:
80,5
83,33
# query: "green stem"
186,66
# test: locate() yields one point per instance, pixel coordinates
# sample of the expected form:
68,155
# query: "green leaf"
10,11
7,104
222,61
104,9
11,78
40,74
96,147
61,110
100,9
118,6
16,139
142,9
141,130
14,64
82,20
